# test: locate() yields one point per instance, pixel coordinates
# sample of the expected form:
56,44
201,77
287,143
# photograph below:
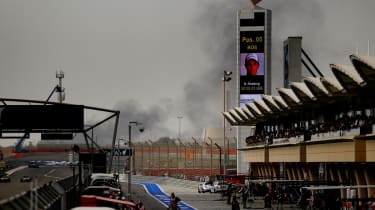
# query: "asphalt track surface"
188,192
40,176
185,189
155,191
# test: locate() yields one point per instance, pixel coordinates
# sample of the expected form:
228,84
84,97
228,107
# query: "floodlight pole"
226,78
130,155
130,165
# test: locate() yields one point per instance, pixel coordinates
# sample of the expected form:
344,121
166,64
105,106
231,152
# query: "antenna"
60,89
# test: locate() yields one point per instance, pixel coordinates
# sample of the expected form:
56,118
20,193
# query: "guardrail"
62,195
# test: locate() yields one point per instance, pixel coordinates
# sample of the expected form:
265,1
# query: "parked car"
33,164
104,191
5,179
25,179
219,186
204,187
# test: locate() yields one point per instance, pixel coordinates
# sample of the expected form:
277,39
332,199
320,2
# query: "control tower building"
253,64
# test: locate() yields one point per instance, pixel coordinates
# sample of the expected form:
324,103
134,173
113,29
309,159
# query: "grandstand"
319,130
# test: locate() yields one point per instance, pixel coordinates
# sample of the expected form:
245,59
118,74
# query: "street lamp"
226,78
141,129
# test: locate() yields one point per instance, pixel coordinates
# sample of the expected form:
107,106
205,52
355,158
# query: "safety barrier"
63,194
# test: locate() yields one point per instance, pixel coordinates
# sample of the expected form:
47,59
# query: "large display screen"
251,59
41,117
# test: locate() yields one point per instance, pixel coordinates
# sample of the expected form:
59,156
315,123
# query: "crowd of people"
279,196
304,130
120,196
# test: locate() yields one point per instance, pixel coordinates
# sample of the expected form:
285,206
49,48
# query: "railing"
54,195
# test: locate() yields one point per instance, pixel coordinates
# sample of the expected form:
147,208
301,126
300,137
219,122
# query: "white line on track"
50,172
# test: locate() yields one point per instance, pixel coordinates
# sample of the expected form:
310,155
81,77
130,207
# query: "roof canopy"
350,84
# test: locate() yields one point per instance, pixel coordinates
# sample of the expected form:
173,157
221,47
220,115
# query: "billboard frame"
113,114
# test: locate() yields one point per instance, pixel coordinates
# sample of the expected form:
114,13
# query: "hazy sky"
155,60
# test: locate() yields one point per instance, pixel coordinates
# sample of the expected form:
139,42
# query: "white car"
26,179
204,187
219,186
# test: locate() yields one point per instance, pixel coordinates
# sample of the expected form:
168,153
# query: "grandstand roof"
234,114
248,113
289,96
332,85
241,113
347,76
365,65
302,91
262,106
280,102
271,103
347,82
230,119
316,87
254,109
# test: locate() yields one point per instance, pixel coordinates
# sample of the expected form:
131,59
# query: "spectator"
235,203
229,192
267,201
140,206
173,202
245,195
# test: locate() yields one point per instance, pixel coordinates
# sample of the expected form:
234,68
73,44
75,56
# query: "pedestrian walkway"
155,191
188,192
168,184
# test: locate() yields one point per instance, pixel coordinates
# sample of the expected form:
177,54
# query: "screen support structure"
113,114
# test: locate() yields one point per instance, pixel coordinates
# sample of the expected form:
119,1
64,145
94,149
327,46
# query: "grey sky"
158,59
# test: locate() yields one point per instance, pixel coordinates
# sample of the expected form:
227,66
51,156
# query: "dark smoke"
202,101
215,30
153,121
